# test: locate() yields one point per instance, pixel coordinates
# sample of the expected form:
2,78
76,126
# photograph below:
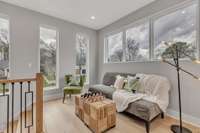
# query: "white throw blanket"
122,99
156,90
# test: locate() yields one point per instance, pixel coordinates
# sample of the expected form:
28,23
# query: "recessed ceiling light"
183,12
93,17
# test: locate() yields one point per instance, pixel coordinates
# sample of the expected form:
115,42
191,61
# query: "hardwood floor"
60,118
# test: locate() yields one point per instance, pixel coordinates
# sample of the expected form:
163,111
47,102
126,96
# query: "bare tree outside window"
48,46
137,43
82,45
115,48
81,50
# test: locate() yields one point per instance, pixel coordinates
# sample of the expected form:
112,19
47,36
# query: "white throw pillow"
119,82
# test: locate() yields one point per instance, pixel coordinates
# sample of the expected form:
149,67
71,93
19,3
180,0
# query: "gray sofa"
141,109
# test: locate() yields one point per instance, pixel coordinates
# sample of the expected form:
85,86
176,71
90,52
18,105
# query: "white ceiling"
80,11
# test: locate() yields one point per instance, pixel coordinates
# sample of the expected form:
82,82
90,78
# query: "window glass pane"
177,26
81,50
115,48
4,50
48,45
137,43
82,44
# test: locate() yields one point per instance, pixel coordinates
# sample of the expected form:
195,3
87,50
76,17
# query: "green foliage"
184,49
1,88
48,83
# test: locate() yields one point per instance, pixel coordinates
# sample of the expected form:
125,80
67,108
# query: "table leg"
64,98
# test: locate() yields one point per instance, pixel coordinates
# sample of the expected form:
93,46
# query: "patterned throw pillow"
133,84
128,83
119,82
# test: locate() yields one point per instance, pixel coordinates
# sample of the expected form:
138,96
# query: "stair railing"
38,80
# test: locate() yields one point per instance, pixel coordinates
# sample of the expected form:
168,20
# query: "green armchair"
73,88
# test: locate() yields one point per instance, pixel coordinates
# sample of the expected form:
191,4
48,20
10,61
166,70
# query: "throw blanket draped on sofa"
122,99
156,91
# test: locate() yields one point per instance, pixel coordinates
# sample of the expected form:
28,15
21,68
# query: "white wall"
190,86
24,38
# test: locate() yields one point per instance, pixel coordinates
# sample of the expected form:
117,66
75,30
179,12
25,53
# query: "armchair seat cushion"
72,89
105,90
144,109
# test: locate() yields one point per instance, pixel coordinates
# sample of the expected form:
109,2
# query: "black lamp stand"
178,128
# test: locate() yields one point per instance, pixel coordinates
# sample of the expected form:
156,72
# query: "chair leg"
64,97
162,115
147,124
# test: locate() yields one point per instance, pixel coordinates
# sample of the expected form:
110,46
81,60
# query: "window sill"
126,62
149,61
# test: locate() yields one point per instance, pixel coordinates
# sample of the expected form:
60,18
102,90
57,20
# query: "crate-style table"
98,116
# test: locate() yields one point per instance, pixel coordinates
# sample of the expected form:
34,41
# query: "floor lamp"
176,51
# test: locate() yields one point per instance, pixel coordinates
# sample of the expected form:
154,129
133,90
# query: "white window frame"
87,56
3,16
173,9
106,46
57,54
151,19
134,25
6,17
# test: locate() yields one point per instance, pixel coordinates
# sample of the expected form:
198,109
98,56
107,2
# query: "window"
114,48
137,43
82,55
48,56
147,40
4,50
177,26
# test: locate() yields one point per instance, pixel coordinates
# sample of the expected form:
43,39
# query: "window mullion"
106,50
124,45
198,29
151,39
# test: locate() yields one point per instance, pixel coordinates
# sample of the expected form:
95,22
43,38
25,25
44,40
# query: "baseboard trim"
52,97
1,128
186,118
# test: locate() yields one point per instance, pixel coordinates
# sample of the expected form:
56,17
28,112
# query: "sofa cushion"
110,77
144,109
106,90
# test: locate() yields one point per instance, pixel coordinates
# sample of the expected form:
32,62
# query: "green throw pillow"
129,81
133,84
126,86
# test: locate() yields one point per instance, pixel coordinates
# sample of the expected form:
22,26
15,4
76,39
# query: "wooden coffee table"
98,116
